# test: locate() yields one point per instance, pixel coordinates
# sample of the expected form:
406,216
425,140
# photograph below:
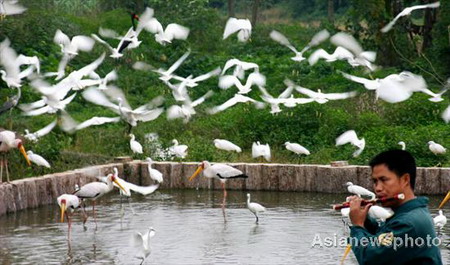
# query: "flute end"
401,196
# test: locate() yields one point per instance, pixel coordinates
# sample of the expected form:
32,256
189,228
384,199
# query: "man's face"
387,184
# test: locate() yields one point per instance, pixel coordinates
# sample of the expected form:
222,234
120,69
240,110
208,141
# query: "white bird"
380,214
359,191
254,207
368,83
316,40
440,220
322,98
340,53
128,186
96,121
179,150
38,160
446,115
407,11
226,145
95,190
68,203
296,148
186,110
242,26
221,172
361,57
135,146
261,150
239,67
165,36
142,243
402,144
193,82
237,98
34,137
9,141
154,173
436,148
166,75
10,7
255,78
351,137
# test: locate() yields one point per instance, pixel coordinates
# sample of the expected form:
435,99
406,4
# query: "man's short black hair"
399,162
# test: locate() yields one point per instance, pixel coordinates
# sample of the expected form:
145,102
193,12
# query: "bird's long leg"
83,209
95,216
257,220
131,206
1,169
7,171
70,226
224,202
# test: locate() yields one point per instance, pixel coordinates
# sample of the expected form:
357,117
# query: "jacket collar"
412,204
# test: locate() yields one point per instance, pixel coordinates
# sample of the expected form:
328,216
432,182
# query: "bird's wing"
207,75
227,81
230,63
95,96
61,38
392,91
280,38
178,63
136,240
334,96
175,31
11,8
347,137
150,115
97,38
319,37
144,190
39,160
356,79
83,43
306,91
232,26
153,26
36,112
96,121
317,55
446,114
202,99
33,105
46,129
347,41
108,33
226,171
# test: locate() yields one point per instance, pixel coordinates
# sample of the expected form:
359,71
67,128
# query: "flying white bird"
436,148
286,98
166,75
322,98
34,137
239,67
154,173
237,98
440,220
9,141
142,243
135,146
226,145
10,7
221,172
186,110
446,114
407,11
352,138
96,121
340,53
242,26
68,203
193,82
255,78
261,150
179,150
38,160
359,191
165,36
361,57
254,207
402,144
316,40
368,83
296,148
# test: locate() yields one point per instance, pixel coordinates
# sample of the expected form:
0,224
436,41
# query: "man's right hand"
358,213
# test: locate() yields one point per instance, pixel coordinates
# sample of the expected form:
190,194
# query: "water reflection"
190,229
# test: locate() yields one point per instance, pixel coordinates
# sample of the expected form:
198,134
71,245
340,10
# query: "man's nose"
378,187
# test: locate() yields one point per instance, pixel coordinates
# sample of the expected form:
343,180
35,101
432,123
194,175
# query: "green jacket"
399,239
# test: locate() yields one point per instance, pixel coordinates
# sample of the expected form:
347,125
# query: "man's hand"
358,213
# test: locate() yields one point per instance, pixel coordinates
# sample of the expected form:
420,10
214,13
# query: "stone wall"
37,191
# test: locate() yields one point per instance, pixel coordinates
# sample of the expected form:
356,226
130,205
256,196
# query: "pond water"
190,229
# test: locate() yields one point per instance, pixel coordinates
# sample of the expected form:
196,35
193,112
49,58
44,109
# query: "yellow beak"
347,250
199,169
120,186
444,201
63,209
24,153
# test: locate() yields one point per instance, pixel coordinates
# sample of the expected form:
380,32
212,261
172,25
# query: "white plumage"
38,160
446,115
154,173
127,187
10,7
255,78
67,202
179,150
296,148
440,220
359,191
351,137
380,213
135,146
226,145
407,11
254,207
261,150
221,172
237,98
402,144
39,133
142,243
436,148
242,26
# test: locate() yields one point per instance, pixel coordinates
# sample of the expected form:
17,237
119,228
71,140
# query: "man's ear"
405,180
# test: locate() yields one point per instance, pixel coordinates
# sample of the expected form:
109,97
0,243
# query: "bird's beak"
120,186
24,153
444,201
63,209
347,250
199,169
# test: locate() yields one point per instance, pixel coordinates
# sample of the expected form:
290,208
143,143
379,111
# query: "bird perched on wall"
226,145
352,138
242,26
254,207
8,141
359,191
142,243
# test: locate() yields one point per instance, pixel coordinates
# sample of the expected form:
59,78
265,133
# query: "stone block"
432,181
270,175
8,198
310,177
287,178
255,176
445,181
132,172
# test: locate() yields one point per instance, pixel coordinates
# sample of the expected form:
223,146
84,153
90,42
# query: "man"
408,237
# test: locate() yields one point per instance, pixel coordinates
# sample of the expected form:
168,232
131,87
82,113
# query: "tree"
255,12
231,8
331,11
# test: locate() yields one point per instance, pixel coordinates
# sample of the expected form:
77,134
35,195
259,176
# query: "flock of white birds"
243,76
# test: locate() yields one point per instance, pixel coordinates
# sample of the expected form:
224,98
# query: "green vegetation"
315,126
